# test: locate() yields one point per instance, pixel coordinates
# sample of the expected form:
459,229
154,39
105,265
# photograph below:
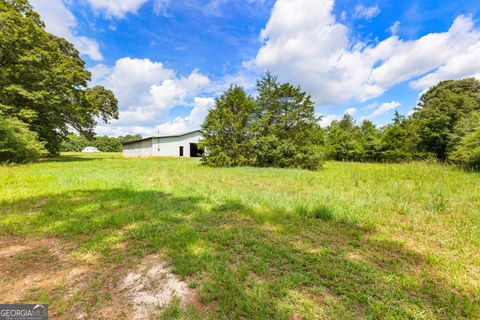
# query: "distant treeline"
76,143
444,126
278,128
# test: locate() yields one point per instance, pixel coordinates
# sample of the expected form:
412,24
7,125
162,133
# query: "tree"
129,138
344,140
466,141
43,81
400,140
439,110
17,142
226,131
370,141
107,144
278,129
465,126
285,130
76,143
467,151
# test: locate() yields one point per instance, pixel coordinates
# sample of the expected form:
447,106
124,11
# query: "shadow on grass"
70,158
249,262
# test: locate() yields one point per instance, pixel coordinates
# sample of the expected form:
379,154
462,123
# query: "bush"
467,151
17,142
310,158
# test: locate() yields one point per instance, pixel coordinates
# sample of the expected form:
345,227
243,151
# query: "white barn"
182,145
90,149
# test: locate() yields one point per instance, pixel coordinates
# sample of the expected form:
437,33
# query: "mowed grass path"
352,241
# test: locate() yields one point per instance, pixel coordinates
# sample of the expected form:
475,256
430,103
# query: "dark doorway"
195,151
181,151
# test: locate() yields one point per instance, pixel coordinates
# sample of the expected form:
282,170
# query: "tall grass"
350,241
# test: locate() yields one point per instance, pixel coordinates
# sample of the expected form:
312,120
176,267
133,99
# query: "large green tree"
285,131
226,129
277,129
43,80
440,109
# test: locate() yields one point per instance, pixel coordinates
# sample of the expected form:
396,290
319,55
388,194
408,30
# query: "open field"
352,241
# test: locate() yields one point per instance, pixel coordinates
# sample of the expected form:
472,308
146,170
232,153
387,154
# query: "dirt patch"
30,264
33,268
152,286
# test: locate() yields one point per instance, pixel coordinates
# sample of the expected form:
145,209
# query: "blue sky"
167,60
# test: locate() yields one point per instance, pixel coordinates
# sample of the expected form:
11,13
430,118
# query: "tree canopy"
278,128
226,129
43,80
440,109
76,143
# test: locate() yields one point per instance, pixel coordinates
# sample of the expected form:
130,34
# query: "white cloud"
190,122
463,65
304,44
364,12
394,28
172,92
371,106
117,8
379,110
161,7
60,21
131,79
147,91
384,108
328,119
178,125
351,111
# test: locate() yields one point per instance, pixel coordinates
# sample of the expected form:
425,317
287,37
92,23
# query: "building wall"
138,149
162,146
170,146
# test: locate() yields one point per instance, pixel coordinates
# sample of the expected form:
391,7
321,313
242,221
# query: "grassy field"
352,241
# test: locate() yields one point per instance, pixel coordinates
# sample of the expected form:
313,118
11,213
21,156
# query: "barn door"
181,151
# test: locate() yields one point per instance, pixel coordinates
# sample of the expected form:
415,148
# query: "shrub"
321,212
17,142
467,151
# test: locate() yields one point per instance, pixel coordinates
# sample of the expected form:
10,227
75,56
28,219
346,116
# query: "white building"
182,145
90,149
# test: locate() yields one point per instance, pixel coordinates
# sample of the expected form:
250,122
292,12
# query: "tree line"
444,126
76,143
44,95
279,128
44,91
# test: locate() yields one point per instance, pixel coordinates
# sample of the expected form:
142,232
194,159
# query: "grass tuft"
320,212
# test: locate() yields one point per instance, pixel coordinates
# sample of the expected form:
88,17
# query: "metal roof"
156,137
